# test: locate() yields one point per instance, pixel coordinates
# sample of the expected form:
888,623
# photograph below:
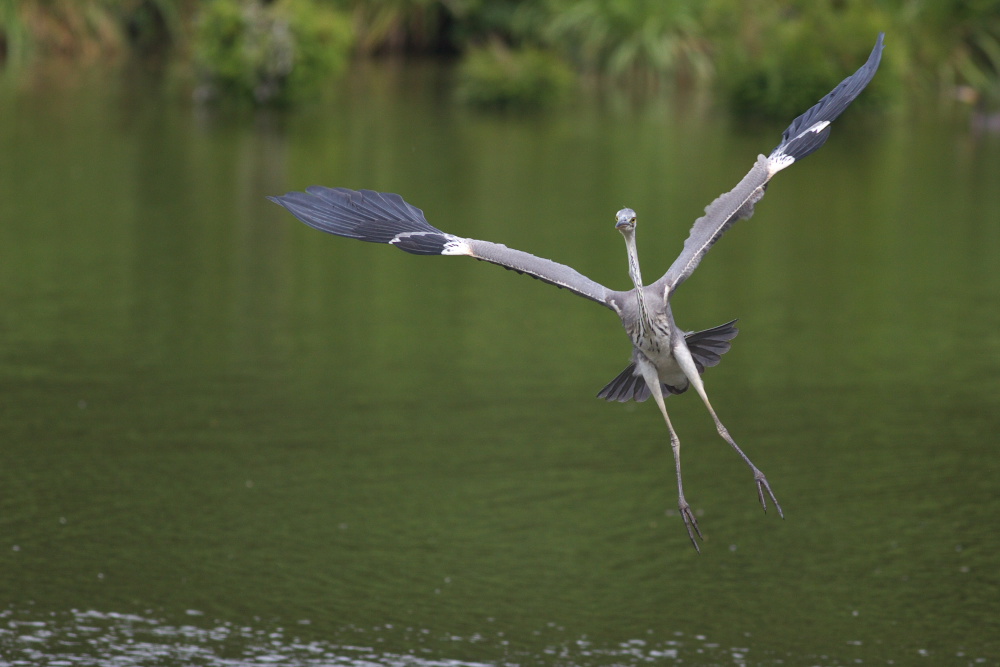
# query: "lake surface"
226,438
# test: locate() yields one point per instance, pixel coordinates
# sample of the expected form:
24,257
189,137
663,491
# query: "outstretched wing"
806,134
381,217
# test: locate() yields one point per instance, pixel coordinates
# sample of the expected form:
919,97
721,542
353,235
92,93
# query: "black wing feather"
365,215
796,142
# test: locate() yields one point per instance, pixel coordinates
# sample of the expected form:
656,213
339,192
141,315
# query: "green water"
226,438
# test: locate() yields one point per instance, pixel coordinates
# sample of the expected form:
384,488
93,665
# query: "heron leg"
686,362
653,382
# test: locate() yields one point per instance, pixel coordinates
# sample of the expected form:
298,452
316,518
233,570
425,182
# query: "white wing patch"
456,246
431,243
780,160
777,162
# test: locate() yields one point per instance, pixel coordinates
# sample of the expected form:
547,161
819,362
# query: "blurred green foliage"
652,38
269,53
151,25
14,37
957,42
500,77
393,26
781,58
767,57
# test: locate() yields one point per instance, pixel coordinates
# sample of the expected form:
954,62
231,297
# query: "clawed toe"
691,524
762,486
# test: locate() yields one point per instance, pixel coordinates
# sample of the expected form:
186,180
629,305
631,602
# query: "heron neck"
633,260
636,275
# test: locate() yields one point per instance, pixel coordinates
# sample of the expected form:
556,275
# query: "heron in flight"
665,359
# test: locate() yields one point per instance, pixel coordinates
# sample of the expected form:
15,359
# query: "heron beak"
625,220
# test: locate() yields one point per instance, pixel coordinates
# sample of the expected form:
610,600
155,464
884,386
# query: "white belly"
662,359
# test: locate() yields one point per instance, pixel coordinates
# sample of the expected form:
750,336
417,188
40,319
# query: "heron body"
665,360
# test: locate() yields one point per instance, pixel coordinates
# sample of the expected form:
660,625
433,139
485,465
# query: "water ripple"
110,639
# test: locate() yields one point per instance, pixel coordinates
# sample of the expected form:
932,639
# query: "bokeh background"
228,439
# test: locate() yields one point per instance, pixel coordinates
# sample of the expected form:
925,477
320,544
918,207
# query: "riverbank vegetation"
763,57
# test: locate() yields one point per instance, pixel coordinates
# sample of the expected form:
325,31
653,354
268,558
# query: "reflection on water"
205,405
92,637
110,639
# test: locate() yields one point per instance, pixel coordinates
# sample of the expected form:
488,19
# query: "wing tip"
280,199
797,141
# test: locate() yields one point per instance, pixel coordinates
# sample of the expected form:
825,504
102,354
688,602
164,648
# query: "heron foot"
763,486
690,523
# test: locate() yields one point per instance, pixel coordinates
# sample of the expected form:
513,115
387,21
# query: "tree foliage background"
764,57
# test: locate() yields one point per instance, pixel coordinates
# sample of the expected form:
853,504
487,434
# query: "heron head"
625,220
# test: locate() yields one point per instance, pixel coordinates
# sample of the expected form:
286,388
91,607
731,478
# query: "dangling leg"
653,382
683,357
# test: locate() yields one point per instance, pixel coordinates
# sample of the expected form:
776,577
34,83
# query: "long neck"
636,275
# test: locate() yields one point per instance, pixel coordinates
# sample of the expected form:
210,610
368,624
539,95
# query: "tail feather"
707,348
626,386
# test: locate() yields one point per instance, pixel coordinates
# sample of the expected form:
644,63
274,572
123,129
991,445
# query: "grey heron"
665,359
